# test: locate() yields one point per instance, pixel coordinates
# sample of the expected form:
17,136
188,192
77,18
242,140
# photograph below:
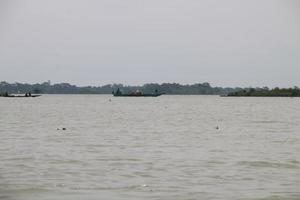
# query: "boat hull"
12,96
137,95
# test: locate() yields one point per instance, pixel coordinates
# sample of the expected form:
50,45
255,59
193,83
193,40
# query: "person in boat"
28,94
118,92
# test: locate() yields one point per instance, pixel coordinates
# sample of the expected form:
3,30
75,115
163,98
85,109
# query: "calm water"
166,148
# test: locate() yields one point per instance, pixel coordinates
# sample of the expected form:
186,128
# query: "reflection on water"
149,148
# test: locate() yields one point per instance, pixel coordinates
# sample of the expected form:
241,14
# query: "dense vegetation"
66,88
266,92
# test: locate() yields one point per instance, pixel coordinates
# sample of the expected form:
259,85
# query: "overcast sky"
95,42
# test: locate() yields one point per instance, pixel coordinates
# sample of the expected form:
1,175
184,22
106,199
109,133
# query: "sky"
95,42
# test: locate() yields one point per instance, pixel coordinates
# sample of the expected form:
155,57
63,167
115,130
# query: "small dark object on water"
217,127
64,129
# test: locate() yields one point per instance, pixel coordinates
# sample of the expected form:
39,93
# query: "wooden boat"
138,95
18,96
118,93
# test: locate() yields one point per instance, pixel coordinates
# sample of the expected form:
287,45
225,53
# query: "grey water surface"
165,148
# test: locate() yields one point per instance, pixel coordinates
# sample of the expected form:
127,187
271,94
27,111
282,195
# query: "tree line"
266,92
66,88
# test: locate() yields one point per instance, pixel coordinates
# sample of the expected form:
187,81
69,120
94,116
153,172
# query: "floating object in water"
137,93
217,127
109,100
19,96
64,129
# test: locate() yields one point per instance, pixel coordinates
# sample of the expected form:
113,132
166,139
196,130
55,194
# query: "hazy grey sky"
94,42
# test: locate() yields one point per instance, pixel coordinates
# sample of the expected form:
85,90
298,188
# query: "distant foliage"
266,92
66,88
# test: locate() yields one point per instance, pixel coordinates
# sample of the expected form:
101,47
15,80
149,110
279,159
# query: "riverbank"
265,92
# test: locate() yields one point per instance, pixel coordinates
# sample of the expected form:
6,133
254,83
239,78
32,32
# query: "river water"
165,148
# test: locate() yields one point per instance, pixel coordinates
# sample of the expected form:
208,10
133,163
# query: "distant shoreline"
276,92
66,88
166,88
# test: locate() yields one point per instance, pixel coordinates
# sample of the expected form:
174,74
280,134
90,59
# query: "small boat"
18,96
21,96
118,93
